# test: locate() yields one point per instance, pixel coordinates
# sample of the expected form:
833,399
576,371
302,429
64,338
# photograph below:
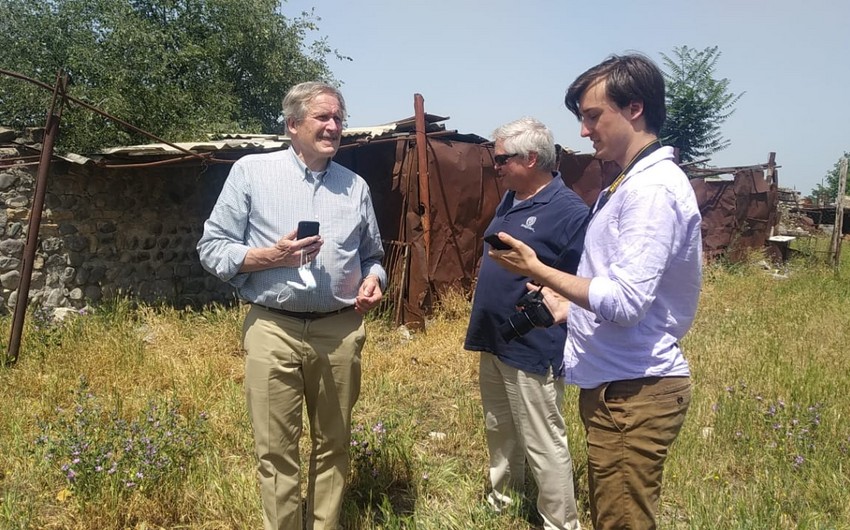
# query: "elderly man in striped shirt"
304,332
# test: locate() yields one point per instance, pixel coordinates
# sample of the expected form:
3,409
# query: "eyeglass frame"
501,160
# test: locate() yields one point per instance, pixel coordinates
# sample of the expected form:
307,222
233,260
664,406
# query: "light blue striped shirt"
643,253
263,198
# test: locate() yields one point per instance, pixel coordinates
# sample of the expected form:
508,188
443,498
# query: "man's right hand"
557,304
287,252
293,252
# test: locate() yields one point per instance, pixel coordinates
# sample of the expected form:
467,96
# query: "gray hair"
296,100
528,135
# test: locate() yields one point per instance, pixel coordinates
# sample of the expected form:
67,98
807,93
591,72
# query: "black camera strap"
643,153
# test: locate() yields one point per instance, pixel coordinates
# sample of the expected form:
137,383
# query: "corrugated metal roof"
224,142
245,142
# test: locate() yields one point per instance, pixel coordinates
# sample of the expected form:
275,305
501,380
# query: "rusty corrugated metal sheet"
737,214
586,175
464,194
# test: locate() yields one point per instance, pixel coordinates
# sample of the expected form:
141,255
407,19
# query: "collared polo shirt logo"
529,223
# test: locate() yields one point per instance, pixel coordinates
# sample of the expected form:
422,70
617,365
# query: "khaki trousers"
630,426
523,422
290,362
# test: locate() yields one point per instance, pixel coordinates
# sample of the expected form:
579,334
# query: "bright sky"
485,63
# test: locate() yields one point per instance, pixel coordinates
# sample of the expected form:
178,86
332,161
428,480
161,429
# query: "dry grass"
758,341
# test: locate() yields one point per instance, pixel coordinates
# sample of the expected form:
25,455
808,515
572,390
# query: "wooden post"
772,180
838,226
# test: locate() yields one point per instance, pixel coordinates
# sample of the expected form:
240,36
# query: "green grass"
766,443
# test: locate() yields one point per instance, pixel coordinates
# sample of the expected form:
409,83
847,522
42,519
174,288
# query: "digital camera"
532,313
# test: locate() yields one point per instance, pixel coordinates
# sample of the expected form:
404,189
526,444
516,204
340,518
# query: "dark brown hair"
628,78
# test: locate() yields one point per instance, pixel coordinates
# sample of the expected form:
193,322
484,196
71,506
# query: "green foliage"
697,103
177,68
102,455
824,194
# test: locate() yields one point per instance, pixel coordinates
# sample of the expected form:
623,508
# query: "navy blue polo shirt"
549,222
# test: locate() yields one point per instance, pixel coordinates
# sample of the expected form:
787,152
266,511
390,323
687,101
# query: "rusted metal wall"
737,214
464,193
586,175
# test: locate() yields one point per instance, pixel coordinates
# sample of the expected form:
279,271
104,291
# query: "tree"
825,194
176,68
697,103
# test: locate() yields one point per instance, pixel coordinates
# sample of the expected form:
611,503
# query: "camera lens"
533,313
516,326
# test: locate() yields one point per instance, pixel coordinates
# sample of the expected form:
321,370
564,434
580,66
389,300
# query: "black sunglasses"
503,159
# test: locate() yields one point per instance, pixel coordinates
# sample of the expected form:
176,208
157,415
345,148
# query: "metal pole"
51,131
773,181
424,186
838,225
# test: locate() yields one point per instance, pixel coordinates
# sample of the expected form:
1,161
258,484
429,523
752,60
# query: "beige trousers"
291,362
524,423
630,426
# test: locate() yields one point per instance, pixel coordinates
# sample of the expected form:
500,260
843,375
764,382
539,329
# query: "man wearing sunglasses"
634,296
520,374
304,332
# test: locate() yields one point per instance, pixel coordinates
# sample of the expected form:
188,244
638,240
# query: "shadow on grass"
381,490
382,496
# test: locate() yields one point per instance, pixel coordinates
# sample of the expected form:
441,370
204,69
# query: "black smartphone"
495,242
307,229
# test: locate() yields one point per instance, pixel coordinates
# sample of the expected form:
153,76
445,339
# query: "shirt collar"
548,191
659,155
543,196
306,173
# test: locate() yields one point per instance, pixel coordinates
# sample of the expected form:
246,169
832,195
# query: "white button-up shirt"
643,253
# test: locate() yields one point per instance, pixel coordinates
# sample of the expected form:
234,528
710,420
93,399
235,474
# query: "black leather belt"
307,315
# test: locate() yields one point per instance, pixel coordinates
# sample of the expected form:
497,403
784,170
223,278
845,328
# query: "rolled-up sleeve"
648,223
222,247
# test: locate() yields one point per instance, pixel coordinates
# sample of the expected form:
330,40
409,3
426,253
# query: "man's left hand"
369,295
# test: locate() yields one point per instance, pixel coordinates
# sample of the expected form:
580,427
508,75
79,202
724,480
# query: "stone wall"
109,232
